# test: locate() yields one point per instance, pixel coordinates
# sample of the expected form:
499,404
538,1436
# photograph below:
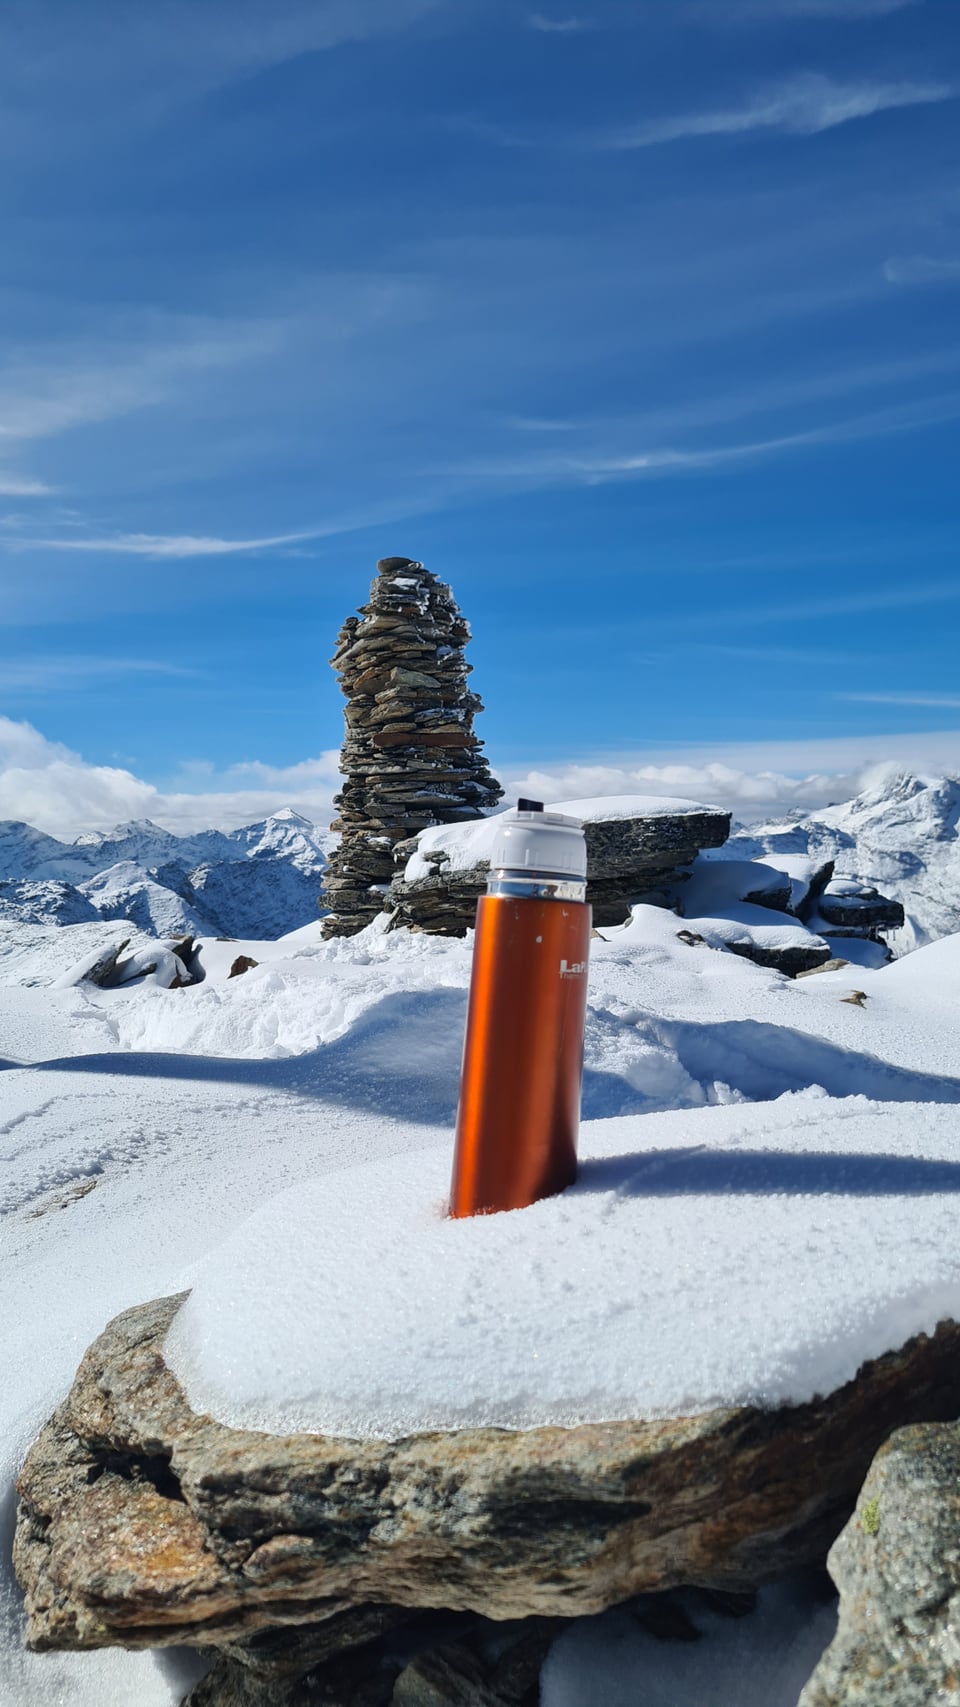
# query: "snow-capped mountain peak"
901,834
285,833
901,804
257,881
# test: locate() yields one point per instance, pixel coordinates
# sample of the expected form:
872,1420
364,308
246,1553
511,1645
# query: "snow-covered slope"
901,834
126,891
140,1126
261,880
43,902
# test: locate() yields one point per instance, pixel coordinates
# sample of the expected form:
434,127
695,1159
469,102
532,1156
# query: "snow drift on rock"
354,1305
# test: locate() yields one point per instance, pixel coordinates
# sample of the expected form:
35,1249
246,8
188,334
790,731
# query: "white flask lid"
531,839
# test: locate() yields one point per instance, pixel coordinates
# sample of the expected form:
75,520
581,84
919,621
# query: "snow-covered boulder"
637,845
848,905
143,1523
109,966
765,937
815,910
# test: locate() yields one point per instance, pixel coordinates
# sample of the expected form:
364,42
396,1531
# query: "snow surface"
714,885
138,1126
762,1660
642,1291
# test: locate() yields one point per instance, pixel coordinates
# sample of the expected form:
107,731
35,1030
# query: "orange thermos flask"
519,1109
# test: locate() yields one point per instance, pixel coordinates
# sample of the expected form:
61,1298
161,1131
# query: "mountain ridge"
261,879
901,833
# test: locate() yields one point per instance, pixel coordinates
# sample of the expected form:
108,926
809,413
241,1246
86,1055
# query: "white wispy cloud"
167,545
775,394
539,424
67,670
46,392
921,269
122,65
597,467
908,595
939,701
567,26
21,486
772,11
804,105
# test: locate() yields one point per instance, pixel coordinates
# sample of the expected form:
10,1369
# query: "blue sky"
635,320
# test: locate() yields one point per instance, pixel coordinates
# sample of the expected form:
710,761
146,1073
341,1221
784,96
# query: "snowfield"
737,1125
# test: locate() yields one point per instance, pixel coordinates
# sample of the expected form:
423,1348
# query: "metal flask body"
519,1110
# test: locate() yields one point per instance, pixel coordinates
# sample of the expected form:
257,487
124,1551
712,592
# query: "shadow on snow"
401,1058
745,1173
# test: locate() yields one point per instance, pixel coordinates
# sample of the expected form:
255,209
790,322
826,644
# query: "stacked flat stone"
410,757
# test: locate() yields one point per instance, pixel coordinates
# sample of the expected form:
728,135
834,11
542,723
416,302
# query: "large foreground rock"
897,1566
143,1524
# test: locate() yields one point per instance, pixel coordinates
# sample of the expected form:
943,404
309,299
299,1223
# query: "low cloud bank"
44,783
753,780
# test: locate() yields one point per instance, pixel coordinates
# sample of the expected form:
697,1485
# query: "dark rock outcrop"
629,858
897,1566
848,907
792,959
410,757
143,1524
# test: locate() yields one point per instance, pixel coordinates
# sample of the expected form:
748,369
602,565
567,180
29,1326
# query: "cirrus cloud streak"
803,105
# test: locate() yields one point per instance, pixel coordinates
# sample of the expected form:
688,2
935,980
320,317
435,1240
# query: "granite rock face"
143,1524
628,859
410,757
897,1566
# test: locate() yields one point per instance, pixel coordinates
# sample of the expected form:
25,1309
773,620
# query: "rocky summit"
144,1524
410,757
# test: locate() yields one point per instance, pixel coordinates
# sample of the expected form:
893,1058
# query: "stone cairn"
410,757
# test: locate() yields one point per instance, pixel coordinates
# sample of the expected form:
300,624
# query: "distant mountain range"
900,835
259,881
263,880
